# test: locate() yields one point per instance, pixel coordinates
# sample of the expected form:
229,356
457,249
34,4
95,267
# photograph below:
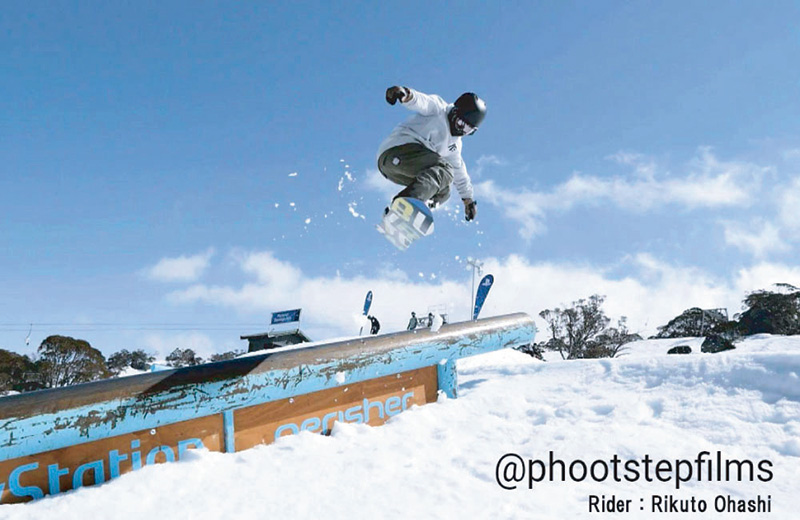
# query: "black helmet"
470,109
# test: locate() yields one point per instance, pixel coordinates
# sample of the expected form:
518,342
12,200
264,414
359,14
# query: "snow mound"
440,460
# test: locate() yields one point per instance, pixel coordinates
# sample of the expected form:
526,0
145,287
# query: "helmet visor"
462,126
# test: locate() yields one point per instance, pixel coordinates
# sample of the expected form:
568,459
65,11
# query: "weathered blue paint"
447,378
228,431
51,419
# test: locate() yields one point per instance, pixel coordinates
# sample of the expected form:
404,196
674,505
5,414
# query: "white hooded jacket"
431,128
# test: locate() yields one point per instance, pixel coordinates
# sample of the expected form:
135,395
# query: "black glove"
395,94
470,209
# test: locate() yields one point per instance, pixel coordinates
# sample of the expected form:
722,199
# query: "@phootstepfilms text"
514,472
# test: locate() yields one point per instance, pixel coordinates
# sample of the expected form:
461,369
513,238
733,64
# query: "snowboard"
406,221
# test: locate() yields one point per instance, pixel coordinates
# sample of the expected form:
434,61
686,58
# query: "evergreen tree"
141,360
772,312
694,322
67,361
17,372
138,359
183,358
224,356
582,331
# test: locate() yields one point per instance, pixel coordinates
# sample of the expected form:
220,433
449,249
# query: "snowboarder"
375,325
424,153
412,323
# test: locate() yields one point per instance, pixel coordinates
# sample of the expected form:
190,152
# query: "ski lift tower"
477,265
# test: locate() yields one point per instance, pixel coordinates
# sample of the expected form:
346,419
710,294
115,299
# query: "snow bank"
440,460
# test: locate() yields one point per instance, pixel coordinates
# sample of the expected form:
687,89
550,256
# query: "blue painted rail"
51,421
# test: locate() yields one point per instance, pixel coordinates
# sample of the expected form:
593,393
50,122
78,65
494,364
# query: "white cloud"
759,238
527,208
271,271
707,183
712,182
764,275
333,304
180,269
656,293
653,293
789,207
377,182
643,166
484,161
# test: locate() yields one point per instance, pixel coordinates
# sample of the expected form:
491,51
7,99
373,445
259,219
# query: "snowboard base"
406,221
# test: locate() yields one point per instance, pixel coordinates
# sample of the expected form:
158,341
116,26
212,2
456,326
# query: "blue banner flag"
285,316
367,303
483,290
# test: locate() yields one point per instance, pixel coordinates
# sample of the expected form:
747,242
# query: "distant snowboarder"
412,323
424,153
375,324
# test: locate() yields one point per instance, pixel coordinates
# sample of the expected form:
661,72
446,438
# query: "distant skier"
424,152
430,319
375,325
412,323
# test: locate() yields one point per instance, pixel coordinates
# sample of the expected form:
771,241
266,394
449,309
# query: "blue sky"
172,172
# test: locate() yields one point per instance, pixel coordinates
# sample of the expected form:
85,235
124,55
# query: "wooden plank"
87,464
372,402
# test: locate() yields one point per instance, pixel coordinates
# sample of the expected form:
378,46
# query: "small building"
275,339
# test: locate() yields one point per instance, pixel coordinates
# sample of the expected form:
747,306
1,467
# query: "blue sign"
285,316
367,303
483,290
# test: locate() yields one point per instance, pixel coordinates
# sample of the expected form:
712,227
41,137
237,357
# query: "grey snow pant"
423,172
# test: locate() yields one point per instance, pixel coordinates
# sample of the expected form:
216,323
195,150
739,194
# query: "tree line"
582,330
63,361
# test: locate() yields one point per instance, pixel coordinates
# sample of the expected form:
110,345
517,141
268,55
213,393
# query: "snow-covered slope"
441,460
751,344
